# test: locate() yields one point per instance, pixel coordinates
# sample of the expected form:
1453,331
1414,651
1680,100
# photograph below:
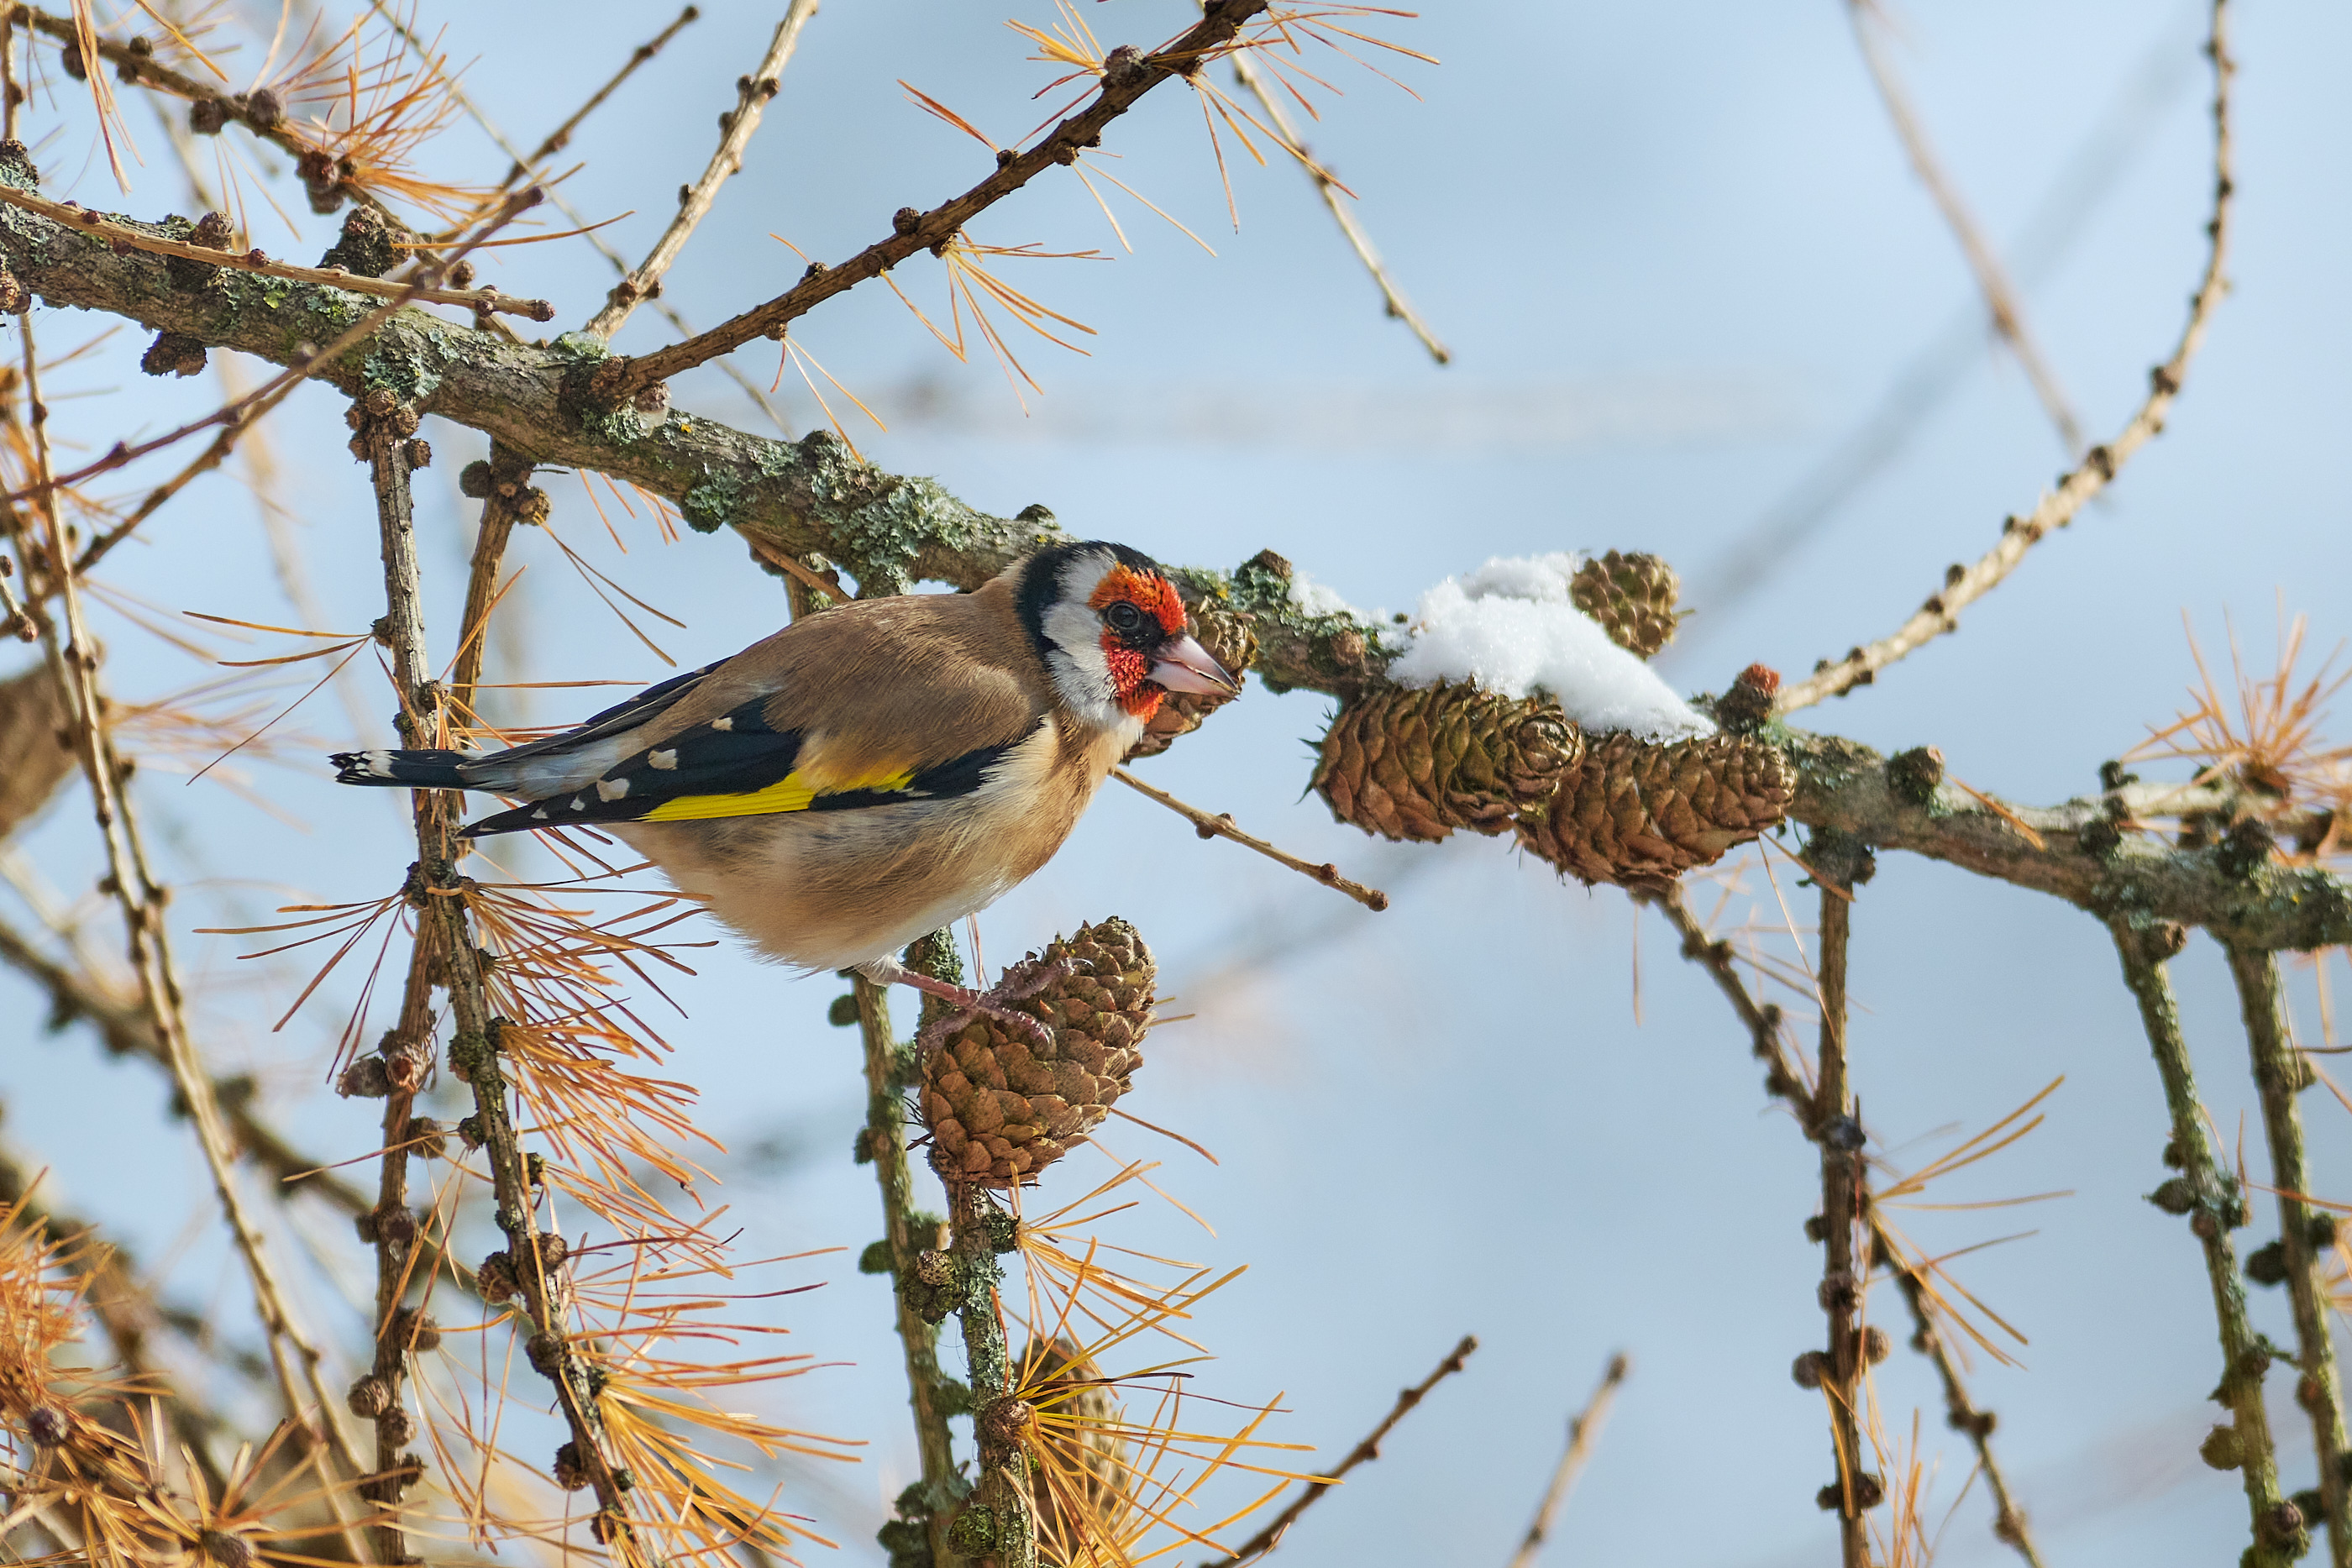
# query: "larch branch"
751,95
1963,585
1268,1539
1128,75
1583,1432
2281,1073
1222,827
2209,1197
1393,297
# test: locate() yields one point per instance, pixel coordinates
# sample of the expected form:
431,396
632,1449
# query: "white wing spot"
611,788
539,815
664,760
723,724
579,803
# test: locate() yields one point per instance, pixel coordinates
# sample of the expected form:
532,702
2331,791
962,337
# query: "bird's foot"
1023,982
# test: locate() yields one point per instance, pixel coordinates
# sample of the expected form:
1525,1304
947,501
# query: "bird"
872,772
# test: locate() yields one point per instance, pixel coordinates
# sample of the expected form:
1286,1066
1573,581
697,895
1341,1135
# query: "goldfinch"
870,773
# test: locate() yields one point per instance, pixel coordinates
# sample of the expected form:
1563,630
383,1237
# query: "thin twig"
751,95
560,137
1963,585
1222,827
1583,1431
2209,1195
2001,299
581,228
140,898
99,227
2280,1074
1837,864
1962,1412
1763,1020
1398,305
912,231
1268,1539
440,890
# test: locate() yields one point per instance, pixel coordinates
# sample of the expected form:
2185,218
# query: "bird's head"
1111,629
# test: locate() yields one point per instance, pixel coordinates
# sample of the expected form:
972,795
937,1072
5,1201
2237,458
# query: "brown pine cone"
1233,644
1079,1494
1418,763
1639,812
1632,597
1000,1107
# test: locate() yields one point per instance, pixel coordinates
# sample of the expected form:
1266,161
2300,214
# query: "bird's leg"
967,1002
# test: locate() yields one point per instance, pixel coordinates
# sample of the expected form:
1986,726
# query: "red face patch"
1128,673
1146,591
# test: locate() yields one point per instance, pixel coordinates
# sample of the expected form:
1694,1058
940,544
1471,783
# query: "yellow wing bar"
795,792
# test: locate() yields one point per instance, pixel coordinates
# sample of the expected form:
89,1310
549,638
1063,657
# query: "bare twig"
2280,1074
439,890
2209,1195
1398,305
1222,827
751,95
2001,298
1268,1539
1963,585
73,659
1583,1431
1763,1020
1839,864
560,137
1126,80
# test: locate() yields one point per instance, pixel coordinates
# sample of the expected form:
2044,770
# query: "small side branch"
1126,80
1266,1539
2207,1193
560,137
1583,1431
1249,75
1222,827
751,95
2001,303
384,427
1839,864
2280,1074
1963,585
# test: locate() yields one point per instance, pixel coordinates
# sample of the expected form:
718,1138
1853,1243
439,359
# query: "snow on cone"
1419,763
1632,597
1001,1107
1233,644
1640,812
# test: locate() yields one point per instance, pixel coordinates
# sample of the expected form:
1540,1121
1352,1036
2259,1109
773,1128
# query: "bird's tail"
404,769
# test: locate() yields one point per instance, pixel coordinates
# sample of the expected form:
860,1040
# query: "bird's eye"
1124,618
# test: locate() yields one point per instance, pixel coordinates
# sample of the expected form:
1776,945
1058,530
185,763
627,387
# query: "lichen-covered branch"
2092,852
906,1236
2209,1197
2305,1238
814,497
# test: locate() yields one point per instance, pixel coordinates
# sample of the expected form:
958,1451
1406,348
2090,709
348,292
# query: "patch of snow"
1317,600
1512,627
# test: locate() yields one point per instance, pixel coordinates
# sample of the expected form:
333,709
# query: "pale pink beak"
1185,666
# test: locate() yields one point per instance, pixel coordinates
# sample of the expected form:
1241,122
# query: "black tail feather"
402,770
